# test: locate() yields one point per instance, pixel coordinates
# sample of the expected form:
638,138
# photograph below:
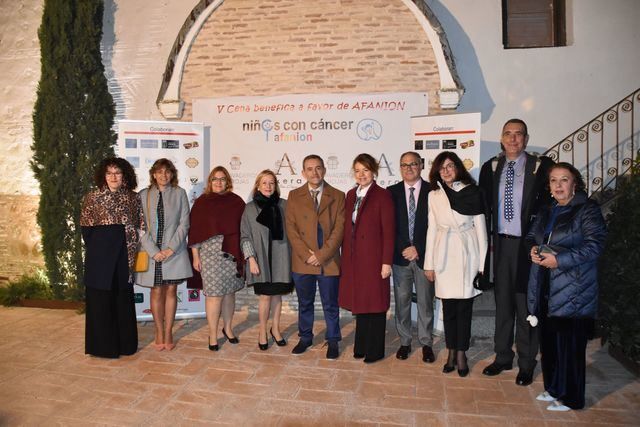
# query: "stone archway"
242,47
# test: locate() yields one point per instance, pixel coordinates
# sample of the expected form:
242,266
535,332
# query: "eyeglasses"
448,167
214,179
409,165
113,174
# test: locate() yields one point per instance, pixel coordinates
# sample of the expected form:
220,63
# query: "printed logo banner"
249,134
142,142
459,133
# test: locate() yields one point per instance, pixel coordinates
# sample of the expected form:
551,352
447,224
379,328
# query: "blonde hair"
261,175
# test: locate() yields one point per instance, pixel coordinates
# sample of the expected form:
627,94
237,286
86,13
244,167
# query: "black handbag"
481,282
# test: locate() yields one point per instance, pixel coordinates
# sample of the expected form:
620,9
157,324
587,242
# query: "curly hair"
166,164
367,161
228,184
129,179
266,172
577,176
462,174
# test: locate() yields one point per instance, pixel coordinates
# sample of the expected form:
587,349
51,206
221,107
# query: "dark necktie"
355,209
314,194
508,192
412,213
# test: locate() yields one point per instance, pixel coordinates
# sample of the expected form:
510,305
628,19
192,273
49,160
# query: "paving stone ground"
46,379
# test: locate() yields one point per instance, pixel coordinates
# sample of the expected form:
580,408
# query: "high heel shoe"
464,371
264,346
213,347
280,343
448,368
233,340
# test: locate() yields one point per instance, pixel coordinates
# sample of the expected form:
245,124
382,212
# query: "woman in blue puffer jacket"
567,239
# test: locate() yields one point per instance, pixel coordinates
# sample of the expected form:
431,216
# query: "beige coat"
302,229
456,247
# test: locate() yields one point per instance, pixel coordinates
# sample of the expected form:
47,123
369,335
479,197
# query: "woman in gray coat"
166,210
264,244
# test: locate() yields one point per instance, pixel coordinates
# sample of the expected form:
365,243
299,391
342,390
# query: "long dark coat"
367,245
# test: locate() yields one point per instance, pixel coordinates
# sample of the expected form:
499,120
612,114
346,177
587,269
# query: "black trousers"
456,316
370,334
111,329
511,309
563,345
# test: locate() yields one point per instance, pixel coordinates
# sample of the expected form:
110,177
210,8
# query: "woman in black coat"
567,239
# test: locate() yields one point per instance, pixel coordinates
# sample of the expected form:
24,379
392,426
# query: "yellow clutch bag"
142,262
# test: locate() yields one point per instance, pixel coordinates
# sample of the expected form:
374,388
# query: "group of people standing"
432,235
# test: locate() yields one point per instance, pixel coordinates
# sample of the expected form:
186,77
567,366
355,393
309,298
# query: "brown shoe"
427,354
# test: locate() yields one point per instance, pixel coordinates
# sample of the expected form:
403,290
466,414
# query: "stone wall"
325,46
19,236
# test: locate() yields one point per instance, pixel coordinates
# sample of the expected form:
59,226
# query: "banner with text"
143,142
249,134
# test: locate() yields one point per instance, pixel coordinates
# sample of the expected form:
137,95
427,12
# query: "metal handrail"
604,148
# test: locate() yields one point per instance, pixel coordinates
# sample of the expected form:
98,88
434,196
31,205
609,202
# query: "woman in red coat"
367,255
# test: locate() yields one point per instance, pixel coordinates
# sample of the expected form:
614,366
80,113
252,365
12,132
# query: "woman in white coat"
166,211
456,251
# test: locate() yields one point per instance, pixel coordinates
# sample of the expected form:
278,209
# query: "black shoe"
332,350
233,340
495,368
403,352
213,347
427,354
524,378
280,343
463,372
263,347
301,347
448,368
358,356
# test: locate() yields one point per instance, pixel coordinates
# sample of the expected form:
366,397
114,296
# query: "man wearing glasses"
410,200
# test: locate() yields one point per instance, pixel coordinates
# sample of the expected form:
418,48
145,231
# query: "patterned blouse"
106,207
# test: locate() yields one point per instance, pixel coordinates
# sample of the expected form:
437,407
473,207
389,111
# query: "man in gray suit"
410,200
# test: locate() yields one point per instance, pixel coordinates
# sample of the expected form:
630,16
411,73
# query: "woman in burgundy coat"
367,255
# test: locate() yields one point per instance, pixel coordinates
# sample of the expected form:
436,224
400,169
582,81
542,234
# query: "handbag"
142,262
142,257
481,283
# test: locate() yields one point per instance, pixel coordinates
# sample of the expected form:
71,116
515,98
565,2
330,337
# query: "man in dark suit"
410,200
315,225
515,186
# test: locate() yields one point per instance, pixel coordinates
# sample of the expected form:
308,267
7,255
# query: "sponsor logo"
369,130
432,144
130,143
193,179
332,162
134,160
192,162
148,143
418,144
449,144
180,298
147,311
194,295
235,163
190,145
467,144
170,144
468,163
138,297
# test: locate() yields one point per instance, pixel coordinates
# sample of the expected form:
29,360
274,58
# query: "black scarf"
467,201
270,215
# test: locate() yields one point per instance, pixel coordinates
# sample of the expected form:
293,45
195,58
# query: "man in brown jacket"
315,224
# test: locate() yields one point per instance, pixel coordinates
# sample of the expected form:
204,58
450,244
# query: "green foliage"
620,270
72,126
34,285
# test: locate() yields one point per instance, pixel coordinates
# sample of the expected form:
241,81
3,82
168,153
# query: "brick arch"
243,47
